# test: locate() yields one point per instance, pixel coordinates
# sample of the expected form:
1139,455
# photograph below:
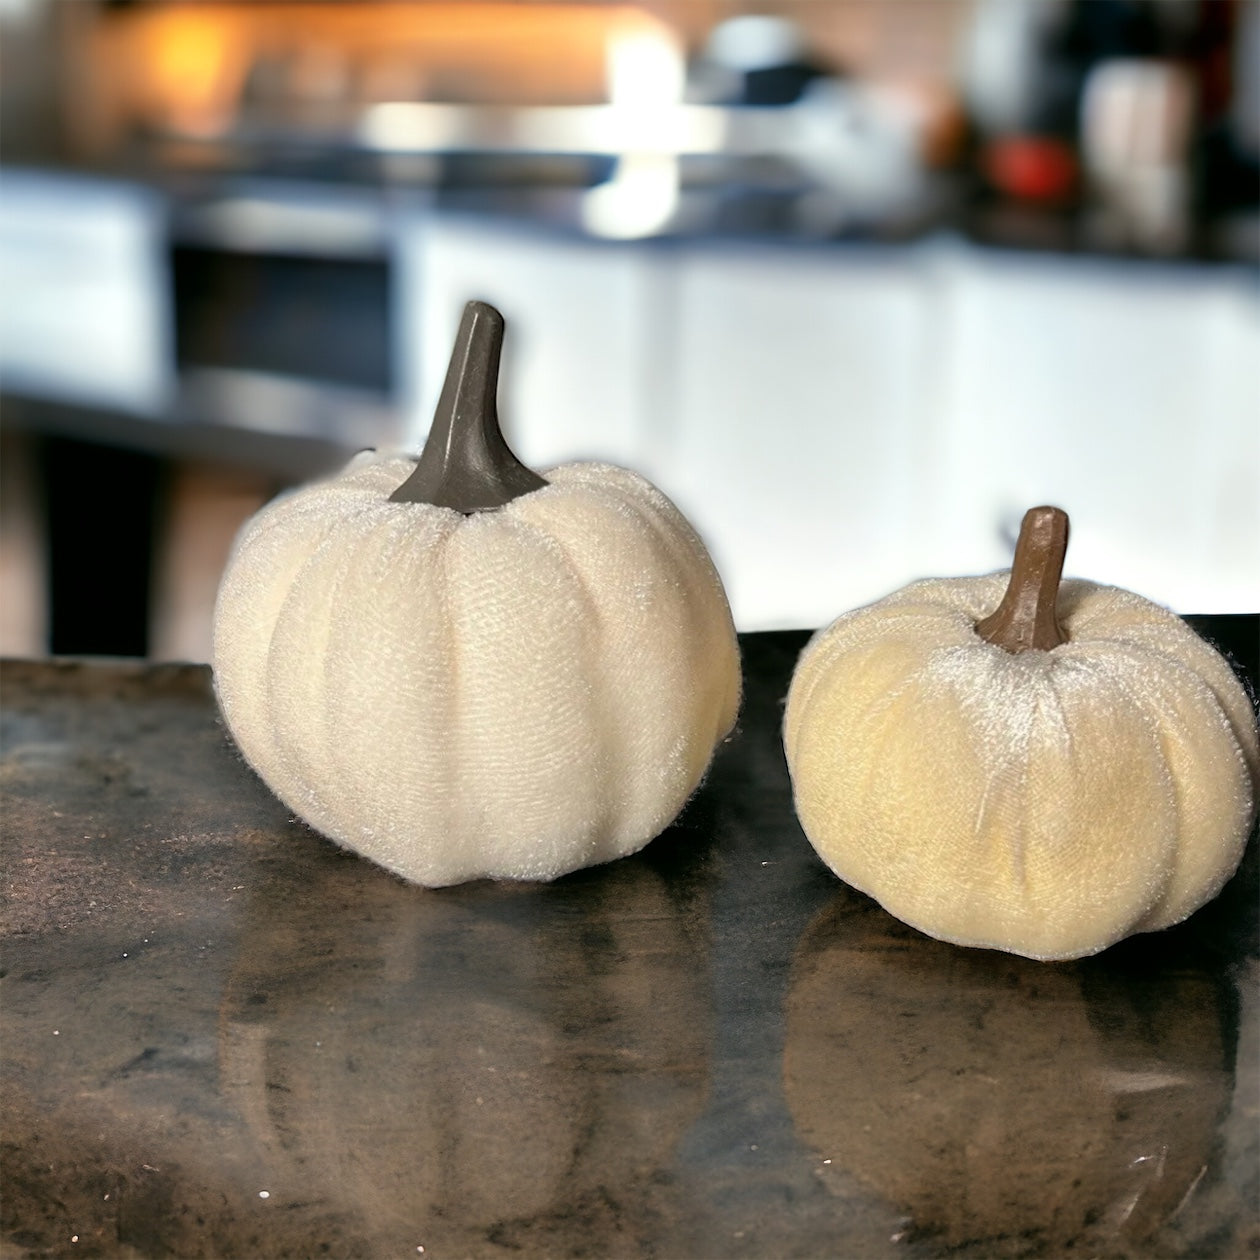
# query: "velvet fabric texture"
515,693
1047,803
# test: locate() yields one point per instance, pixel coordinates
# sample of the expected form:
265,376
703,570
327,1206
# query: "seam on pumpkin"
324,736
386,539
1119,680
684,546
454,693
1157,716
882,715
861,628
605,727
1165,657
284,754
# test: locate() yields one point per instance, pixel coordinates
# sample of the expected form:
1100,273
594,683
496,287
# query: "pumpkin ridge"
1104,681
328,544
325,733
395,845
605,730
1030,905
322,733
1171,726
969,597
882,716
473,588
1206,658
1014,845
1158,656
834,861
279,512
807,678
1160,915
453,693
825,646
998,837
853,631
878,709
652,504
390,794
1056,670
685,548
903,898
631,502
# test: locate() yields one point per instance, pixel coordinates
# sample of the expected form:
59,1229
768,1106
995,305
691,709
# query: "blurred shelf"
289,456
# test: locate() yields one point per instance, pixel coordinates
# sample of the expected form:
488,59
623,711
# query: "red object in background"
1031,168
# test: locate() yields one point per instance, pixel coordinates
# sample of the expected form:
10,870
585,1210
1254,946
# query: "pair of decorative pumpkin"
459,669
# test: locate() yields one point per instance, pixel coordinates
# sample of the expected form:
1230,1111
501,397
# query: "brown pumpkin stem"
1026,618
466,464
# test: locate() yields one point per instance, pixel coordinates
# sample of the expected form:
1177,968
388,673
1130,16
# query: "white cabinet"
579,362
84,292
802,447
1127,394
837,420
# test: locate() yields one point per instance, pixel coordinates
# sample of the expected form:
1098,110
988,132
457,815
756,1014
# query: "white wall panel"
84,292
803,437
578,371
839,421
1123,393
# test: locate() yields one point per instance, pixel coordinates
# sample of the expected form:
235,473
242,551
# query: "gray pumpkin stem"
466,464
1027,616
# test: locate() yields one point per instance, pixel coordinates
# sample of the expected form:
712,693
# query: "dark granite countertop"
224,1037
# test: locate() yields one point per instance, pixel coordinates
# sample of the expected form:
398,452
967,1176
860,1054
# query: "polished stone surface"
224,1037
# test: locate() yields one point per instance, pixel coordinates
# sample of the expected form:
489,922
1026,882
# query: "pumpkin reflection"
494,1059
996,1098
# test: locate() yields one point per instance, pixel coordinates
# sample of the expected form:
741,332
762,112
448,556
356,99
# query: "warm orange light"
190,66
187,63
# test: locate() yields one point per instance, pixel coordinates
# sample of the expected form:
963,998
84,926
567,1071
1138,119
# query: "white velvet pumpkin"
1044,802
514,693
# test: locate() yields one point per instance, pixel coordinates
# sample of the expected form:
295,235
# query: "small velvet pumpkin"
458,668
1045,779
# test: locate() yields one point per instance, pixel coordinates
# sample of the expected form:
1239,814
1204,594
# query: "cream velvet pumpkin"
516,692
1043,801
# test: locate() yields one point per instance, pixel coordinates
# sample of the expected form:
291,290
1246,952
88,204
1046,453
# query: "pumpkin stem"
466,464
1026,617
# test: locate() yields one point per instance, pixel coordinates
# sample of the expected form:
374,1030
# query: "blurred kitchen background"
855,283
